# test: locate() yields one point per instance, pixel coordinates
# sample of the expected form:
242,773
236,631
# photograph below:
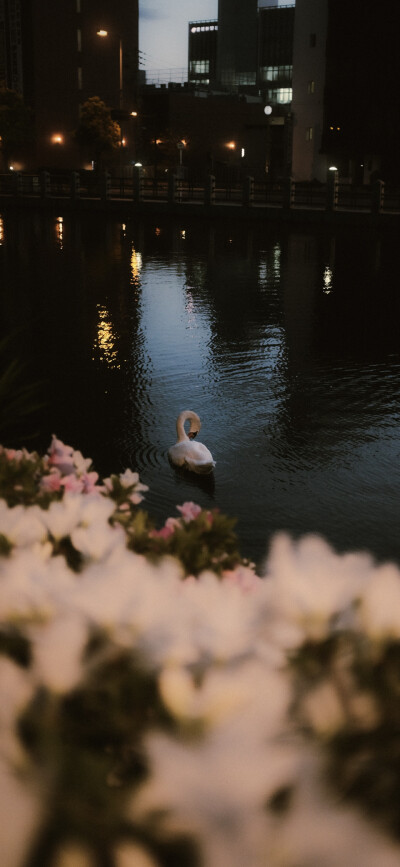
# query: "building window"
78,6
309,133
204,29
80,85
280,95
313,40
276,73
197,67
79,38
311,87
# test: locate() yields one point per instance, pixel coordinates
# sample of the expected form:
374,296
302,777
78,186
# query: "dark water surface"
284,340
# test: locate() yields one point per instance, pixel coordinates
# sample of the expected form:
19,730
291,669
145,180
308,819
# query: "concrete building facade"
308,105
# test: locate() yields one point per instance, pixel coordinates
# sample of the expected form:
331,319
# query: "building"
308,105
346,68
222,133
248,52
274,79
203,41
52,55
237,43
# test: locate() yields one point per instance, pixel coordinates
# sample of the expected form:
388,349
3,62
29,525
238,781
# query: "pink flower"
61,456
51,482
167,530
71,483
89,483
189,511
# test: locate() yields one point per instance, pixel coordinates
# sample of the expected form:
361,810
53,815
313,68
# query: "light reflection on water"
283,340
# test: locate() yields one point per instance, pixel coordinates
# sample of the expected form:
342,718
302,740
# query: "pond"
284,339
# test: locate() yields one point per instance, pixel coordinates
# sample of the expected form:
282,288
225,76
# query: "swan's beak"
192,434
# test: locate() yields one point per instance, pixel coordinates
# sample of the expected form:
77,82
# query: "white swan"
186,453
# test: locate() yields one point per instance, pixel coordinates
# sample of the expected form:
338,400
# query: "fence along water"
285,195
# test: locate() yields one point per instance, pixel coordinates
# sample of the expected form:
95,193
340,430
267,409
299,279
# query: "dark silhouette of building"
237,43
346,69
51,53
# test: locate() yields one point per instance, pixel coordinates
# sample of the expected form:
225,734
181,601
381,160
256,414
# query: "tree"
97,131
16,127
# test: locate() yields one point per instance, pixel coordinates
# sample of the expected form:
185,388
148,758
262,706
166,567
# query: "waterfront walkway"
285,200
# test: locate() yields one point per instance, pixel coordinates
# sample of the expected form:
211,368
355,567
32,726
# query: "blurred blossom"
58,649
218,705
22,813
379,609
22,526
131,855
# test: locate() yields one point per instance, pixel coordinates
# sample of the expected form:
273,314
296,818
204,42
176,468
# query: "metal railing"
284,194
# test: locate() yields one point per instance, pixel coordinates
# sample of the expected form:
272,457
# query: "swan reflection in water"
186,453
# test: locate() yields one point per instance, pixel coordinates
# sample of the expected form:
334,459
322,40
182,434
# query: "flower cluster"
162,705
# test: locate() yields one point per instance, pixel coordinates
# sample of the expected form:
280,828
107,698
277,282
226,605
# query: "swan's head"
194,426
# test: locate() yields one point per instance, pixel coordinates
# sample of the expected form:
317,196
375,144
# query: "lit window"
197,67
276,73
311,87
280,95
309,133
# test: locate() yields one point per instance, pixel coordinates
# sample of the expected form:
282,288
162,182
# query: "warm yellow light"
231,145
184,142
158,140
57,138
123,142
133,113
102,33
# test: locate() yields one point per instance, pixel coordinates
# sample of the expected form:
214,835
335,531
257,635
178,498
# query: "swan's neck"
195,424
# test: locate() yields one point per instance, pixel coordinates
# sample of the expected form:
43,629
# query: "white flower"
21,816
320,830
323,711
31,586
310,585
63,516
58,649
246,694
379,609
22,526
97,540
132,855
81,464
16,691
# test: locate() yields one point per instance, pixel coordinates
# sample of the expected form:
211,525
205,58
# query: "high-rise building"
308,105
52,55
203,41
346,68
237,43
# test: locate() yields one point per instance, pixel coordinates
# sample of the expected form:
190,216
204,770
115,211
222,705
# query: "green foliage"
97,131
363,751
19,480
206,542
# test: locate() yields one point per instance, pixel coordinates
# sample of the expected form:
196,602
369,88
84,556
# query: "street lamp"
103,34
